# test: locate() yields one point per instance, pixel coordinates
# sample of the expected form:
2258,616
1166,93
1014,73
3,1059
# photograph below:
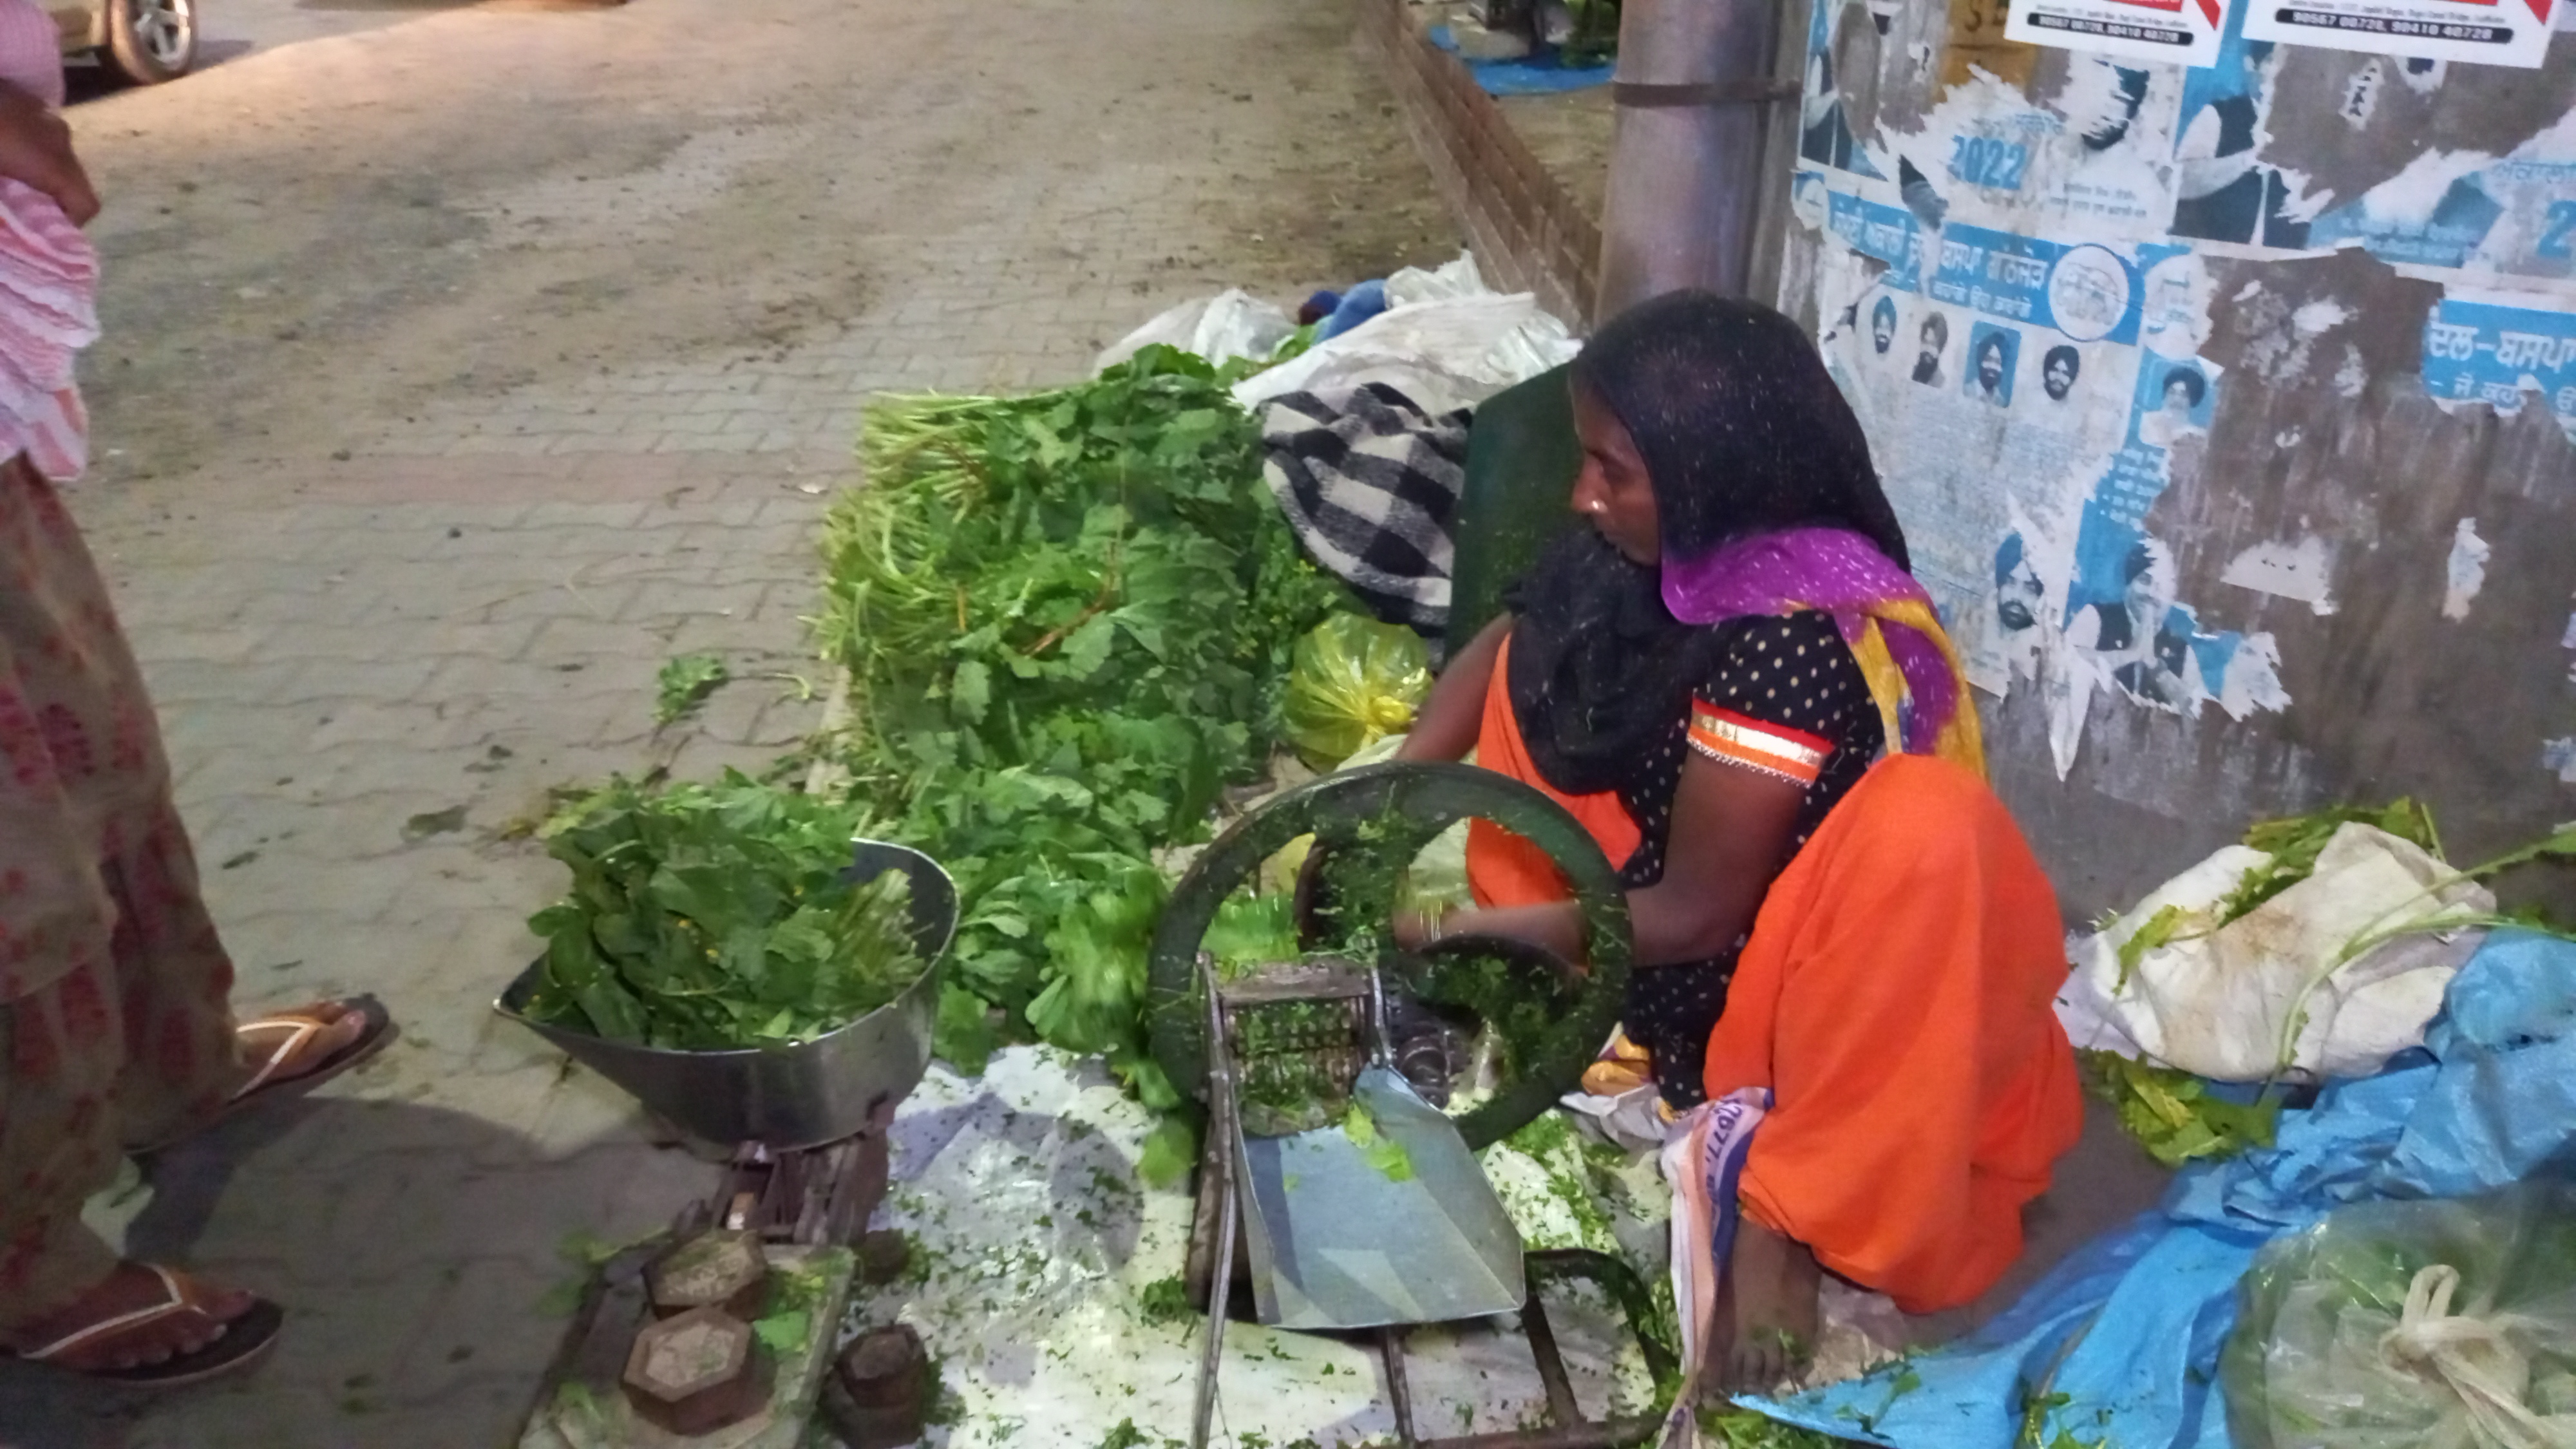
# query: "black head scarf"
1742,431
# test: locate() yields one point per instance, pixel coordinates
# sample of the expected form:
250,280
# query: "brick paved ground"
395,539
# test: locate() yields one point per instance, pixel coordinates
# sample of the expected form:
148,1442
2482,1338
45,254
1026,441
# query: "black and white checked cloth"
1370,483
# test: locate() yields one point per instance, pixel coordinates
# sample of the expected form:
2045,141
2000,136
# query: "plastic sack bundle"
2449,1324
1353,682
1230,326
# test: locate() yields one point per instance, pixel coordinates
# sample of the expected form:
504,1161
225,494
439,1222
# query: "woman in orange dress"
1733,681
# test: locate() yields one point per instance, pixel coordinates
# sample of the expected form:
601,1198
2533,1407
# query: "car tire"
150,41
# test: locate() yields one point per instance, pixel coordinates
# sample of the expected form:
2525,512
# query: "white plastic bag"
2219,1004
1230,325
2441,1324
1446,341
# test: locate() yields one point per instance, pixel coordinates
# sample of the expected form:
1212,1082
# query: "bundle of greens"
2175,1115
707,917
1066,619
2443,1321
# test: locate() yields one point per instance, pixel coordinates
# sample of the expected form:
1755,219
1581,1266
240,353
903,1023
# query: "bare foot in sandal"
167,1316
287,1052
264,1037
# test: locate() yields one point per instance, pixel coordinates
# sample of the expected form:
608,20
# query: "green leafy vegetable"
1729,1427
704,917
1381,1152
2295,843
1066,620
1166,1300
2157,930
1170,1151
2173,1114
685,683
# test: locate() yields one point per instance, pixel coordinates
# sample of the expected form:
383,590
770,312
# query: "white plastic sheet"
1032,1243
1232,324
1446,341
2220,1003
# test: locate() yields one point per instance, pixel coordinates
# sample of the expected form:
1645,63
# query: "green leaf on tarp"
2175,1115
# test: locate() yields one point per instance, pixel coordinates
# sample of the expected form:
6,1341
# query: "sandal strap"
300,1029
178,1300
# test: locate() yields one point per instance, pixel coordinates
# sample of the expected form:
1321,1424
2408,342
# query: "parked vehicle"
143,42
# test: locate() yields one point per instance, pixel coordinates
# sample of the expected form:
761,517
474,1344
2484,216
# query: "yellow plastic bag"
1351,683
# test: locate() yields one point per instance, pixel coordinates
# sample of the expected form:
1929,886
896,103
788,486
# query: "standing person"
116,1033
1733,682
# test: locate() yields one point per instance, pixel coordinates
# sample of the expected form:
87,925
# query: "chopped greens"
1382,1152
1166,1300
1728,1427
705,917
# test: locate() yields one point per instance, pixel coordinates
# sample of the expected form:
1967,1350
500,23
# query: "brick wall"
1528,234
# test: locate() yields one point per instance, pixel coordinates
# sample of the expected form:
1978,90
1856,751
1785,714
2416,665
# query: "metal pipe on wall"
1696,96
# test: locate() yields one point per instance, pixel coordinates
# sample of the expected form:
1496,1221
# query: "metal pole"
1696,93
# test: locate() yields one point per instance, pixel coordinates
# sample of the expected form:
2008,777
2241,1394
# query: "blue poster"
2480,352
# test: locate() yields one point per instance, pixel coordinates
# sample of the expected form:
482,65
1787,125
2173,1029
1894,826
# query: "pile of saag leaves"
1066,619
705,917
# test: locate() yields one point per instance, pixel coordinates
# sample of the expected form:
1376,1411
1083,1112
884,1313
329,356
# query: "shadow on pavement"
426,1278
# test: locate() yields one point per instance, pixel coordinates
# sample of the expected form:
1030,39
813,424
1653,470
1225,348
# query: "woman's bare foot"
133,1288
1771,1284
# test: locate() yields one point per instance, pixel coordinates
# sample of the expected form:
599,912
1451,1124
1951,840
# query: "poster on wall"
2482,32
2177,32
2487,348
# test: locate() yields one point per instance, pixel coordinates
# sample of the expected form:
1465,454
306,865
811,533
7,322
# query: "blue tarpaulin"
2120,1344
1543,74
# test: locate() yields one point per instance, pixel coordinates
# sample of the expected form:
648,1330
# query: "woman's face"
1612,490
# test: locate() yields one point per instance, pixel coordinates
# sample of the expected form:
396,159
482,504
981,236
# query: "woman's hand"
1416,929
36,149
1556,926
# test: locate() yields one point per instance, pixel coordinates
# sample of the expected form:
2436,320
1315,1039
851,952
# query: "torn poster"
2303,571
2483,348
2559,758
2466,571
2227,191
2512,219
1999,295
2482,32
2177,32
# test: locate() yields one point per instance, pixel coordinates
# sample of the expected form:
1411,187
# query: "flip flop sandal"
265,1084
240,1344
